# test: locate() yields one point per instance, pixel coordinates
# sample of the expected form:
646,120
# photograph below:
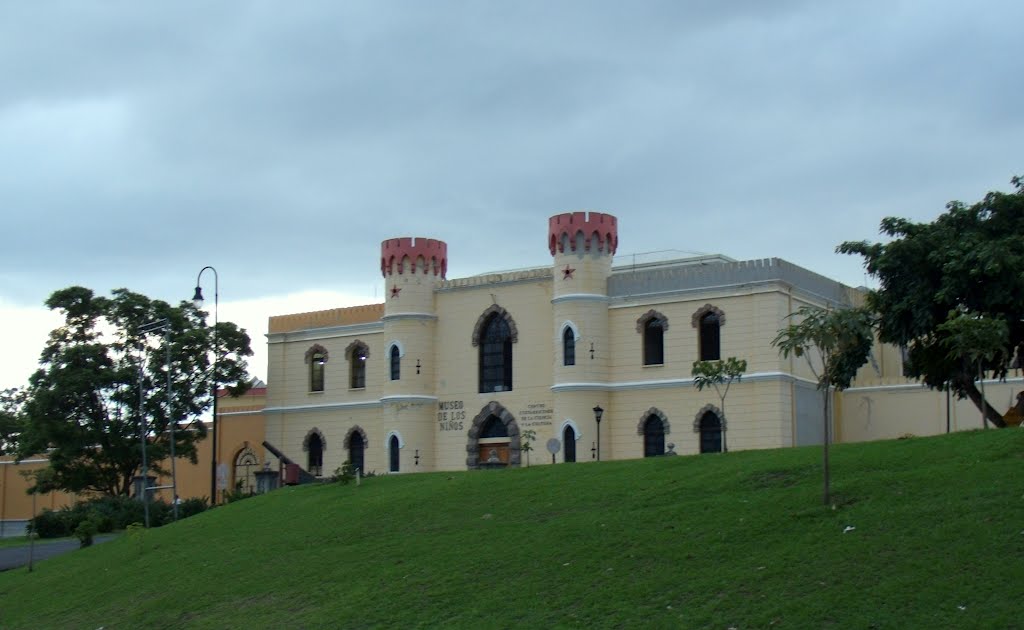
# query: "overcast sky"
282,142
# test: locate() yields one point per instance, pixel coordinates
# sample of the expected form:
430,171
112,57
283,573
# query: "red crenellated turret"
414,254
600,231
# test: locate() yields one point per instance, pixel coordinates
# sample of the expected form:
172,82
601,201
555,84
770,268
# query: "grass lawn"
924,533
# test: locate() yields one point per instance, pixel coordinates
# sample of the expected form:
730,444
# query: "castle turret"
582,244
412,269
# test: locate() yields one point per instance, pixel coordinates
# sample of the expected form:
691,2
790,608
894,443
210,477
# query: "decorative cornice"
398,316
316,334
407,398
344,406
673,382
580,297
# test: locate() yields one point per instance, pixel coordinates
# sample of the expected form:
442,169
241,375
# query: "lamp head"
598,412
197,299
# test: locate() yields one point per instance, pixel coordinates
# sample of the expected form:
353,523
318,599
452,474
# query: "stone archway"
473,446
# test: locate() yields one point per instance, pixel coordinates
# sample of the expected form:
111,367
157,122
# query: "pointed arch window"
316,358
569,444
496,355
710,433
710,337
654,437
394,461
654,342
315,454
396,363
568,346
357,354
246,464
356,449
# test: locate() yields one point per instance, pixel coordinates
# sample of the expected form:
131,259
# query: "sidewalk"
13,557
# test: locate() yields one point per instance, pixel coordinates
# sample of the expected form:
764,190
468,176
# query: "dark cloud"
282,143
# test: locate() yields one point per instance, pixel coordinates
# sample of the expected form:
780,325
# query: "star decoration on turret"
395,291
567,272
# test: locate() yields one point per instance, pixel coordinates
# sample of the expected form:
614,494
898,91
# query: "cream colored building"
450,374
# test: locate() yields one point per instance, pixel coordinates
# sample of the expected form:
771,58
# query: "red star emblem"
395,291
567,272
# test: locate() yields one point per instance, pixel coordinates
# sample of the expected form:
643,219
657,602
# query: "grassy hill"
925,532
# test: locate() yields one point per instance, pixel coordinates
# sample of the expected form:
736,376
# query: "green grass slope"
925,533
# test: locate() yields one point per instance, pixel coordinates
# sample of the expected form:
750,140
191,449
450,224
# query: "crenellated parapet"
583,232
414,255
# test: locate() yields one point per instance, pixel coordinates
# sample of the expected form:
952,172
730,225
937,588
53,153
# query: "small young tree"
526,438
718,374
841,339
974,339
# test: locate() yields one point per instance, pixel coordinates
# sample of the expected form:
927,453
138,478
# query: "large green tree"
11,418
83,403
971,258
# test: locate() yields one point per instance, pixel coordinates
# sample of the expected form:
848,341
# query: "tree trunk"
988,410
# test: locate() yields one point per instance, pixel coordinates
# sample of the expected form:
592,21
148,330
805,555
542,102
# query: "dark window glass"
710,338
569,347
496,356
710,433
393,453
315,459
316,373
357,368
654,342
396,364
654,437
356,447
494,428
569,443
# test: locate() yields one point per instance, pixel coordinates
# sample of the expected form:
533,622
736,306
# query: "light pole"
165,325
598,412
197,301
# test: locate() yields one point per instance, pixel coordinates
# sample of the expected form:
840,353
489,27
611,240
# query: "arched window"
496,355
246,464
357,355
710,433
356,448
494,428
316,372
654,342
569,444
568,347
393,458
396,363
710,337
654,437
315,454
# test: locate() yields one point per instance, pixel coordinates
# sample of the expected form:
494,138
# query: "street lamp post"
197,301
598,412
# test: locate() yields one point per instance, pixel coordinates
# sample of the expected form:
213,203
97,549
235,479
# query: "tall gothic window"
393,458
654,437
569,444
710,433
396,364
710,338
654,342
568,347
356,448
315,455
316,372
357,366
496,355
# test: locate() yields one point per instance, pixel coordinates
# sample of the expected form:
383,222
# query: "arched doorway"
710,433
569,444
246,465
356,448
654,436
493,439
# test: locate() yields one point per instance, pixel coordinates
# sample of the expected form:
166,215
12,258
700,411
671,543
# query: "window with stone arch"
653,427
313,444
709,426
316,358
568,346
395,363
494,335
355,443
652,325
708,320
246,465
357,354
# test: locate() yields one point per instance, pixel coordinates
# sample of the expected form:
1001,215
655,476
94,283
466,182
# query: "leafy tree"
840,340
974,339
527,438
11,418
970,257
83,402
717,374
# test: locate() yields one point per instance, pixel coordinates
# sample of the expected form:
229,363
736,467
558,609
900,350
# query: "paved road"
13,557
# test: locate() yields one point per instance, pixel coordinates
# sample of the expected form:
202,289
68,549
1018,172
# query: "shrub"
86,530
53,523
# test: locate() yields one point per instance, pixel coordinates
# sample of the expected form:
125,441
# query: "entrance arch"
495,430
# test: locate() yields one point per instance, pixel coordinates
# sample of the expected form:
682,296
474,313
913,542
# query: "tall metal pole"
142,436
171,421
198,300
